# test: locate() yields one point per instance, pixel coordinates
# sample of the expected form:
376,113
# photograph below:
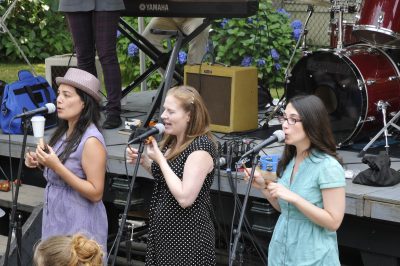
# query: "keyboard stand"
167,79
159,59
163,60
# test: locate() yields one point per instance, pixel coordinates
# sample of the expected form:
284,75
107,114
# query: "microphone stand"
13,224
302,39
128,203
241,217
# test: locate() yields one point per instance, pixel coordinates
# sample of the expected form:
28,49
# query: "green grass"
9,71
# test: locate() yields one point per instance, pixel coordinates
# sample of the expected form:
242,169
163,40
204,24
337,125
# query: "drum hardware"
370,82
315,2
394,78
368,119
382,106
380,20
360,84
340,30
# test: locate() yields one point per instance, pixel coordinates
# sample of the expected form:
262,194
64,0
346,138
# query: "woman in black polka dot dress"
181,230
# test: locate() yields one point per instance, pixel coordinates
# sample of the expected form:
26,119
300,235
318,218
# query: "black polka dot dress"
179,236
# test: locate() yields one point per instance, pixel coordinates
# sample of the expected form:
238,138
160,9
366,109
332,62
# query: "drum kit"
358,77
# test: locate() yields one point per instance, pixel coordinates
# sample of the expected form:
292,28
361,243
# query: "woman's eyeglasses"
290,120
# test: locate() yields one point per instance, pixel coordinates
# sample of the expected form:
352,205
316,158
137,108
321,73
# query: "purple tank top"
65,211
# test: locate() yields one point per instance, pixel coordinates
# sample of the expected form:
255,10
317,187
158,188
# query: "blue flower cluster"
274,54
133,50
283,12
182,57
247,60
118,33
275,57
297,26
224,22
261,62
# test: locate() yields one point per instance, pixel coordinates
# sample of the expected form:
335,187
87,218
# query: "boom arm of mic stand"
241,217
298,42
128,204
310,11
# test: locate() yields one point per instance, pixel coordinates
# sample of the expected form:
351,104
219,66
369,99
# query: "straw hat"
82,80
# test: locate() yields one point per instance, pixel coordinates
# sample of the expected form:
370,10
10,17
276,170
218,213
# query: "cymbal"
315,2
2,213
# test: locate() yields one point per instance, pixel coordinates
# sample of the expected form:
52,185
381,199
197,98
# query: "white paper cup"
38,126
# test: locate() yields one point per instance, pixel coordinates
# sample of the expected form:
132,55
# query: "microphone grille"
160,127
280,135
51,108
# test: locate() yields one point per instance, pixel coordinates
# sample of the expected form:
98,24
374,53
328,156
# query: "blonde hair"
199,123
76,250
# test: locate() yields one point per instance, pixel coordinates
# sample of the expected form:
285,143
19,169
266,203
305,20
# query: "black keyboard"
191,8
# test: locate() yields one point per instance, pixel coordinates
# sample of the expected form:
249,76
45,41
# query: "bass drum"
350,82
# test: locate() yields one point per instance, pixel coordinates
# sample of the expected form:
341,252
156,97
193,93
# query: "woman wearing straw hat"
75,164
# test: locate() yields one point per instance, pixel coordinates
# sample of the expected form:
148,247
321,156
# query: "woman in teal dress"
310,193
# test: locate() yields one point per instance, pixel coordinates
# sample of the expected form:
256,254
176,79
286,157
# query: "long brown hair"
90,114
199,123
317,127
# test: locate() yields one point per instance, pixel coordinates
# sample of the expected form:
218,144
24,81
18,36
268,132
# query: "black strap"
28,91
31,89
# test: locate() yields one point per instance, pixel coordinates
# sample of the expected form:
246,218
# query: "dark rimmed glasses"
289,120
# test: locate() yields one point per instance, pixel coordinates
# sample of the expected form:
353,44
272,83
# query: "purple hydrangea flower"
277,66
283,12
250,20
296,34
118,33
224,22
182,57
296,24
261,62
133,50
247,60
274,54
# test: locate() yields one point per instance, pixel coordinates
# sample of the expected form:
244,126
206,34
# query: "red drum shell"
350,82
379,23
348,36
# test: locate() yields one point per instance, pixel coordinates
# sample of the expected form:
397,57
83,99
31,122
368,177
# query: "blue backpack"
26,94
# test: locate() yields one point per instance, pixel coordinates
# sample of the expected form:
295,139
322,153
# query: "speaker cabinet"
230,94
58,65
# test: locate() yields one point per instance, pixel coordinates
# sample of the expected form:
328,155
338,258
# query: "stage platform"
376,204
365,201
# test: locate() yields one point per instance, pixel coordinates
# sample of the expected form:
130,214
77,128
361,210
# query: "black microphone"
48,108
157,129
277,136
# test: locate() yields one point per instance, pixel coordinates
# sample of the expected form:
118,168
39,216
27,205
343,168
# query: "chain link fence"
323,19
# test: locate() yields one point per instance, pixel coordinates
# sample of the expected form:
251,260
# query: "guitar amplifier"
230,94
